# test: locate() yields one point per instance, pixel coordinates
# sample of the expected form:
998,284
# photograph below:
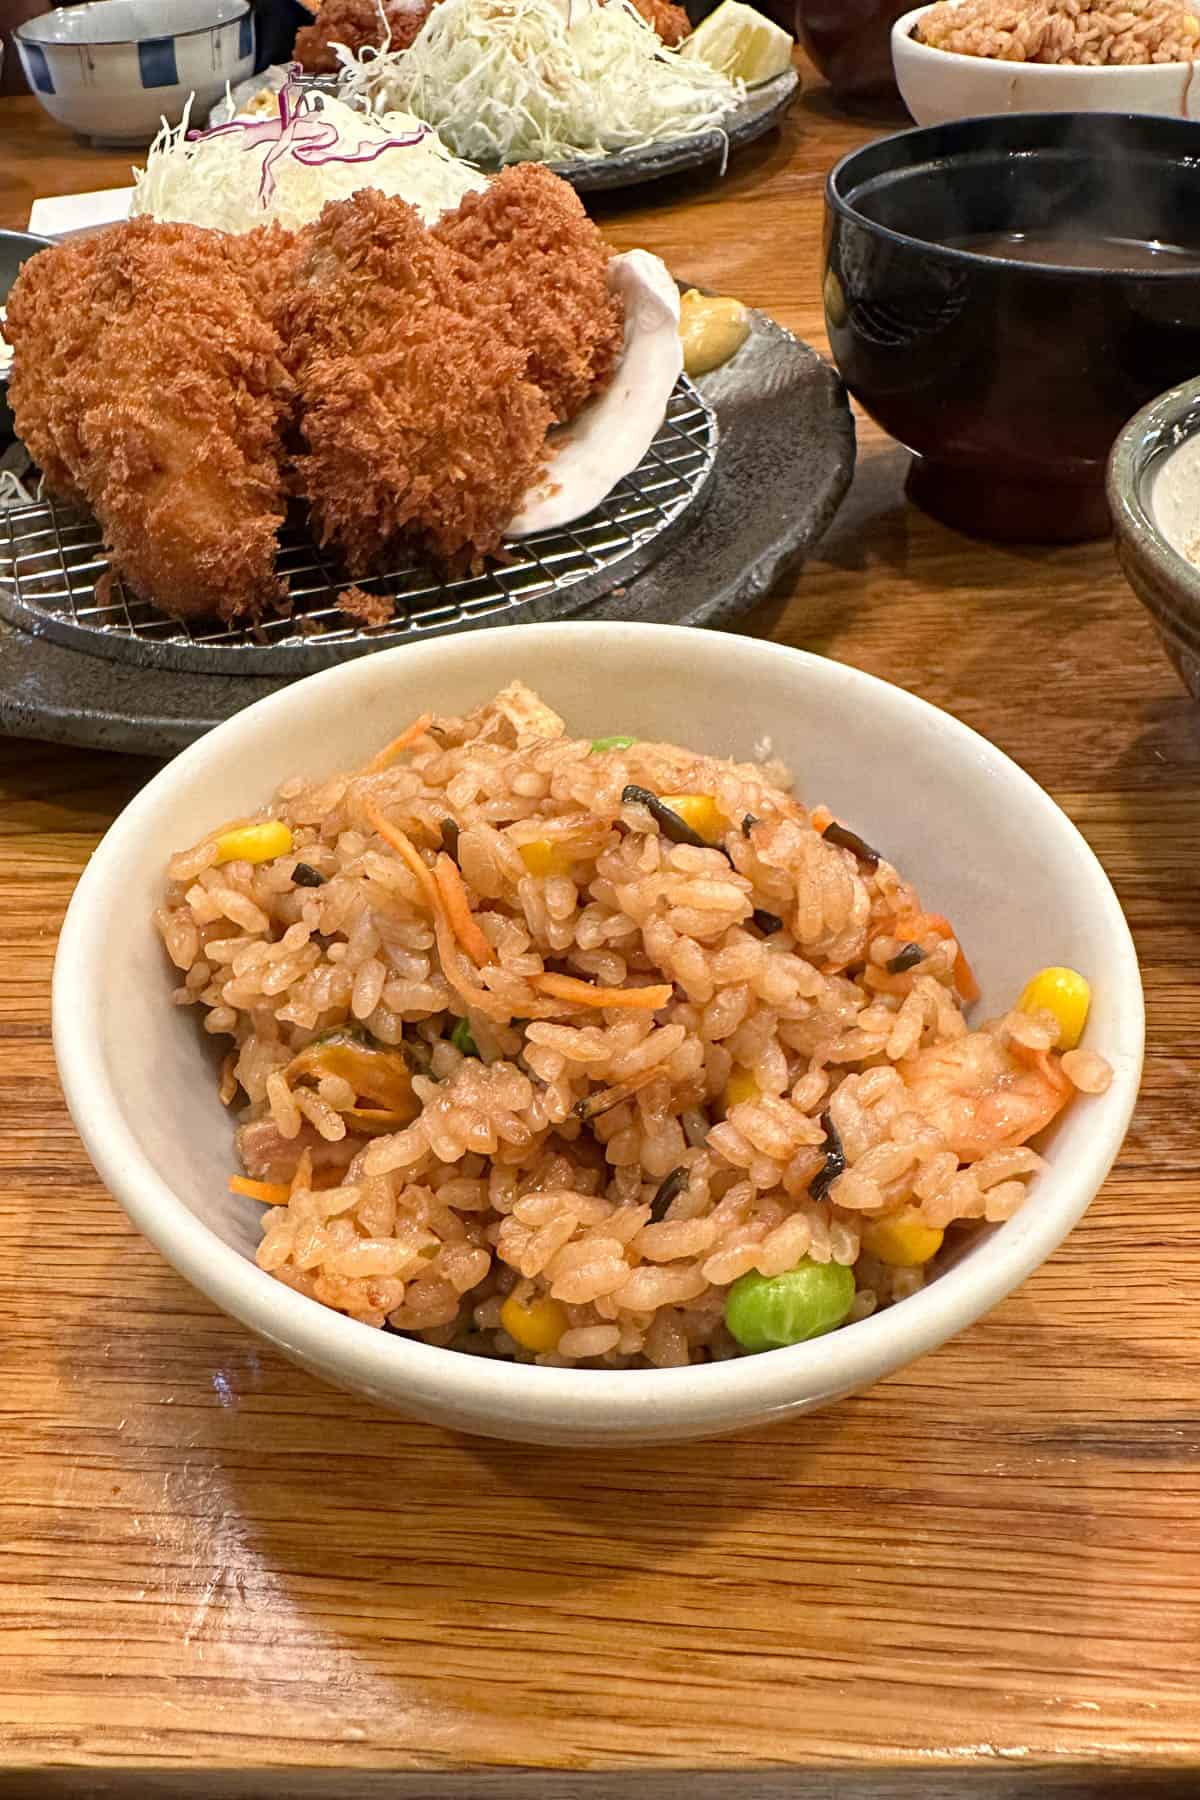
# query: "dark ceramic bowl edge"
975,126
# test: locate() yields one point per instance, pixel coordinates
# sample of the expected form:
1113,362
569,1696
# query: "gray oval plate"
763,107
784,462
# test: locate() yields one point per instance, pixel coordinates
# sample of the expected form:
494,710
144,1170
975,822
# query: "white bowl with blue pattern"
112,70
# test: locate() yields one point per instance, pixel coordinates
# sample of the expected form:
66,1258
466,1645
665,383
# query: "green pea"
462,1040
613,743
765,1312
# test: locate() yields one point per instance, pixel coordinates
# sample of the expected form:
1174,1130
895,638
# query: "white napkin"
63,214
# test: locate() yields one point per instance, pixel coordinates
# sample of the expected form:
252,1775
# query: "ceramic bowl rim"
1136,445
841,204
902,33
515,1396
20,32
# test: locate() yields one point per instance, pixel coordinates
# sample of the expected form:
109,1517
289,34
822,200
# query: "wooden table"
984,1567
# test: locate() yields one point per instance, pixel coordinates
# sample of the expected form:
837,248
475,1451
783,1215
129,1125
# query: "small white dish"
65,215
981,840
112,70
939,85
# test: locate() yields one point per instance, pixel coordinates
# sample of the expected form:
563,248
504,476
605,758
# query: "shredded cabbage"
541,80
284,168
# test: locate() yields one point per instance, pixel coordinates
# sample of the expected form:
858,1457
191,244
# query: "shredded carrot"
964,978
582,993
405,741
405,848
915,926
454,963
458,910
459,970
271,1193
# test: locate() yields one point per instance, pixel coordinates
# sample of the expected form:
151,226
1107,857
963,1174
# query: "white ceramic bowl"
1154,498
937,85
981,839
112,70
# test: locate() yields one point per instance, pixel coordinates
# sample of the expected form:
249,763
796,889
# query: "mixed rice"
1081,32
543,1047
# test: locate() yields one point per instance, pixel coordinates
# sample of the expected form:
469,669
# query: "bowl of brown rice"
566,1034
960,59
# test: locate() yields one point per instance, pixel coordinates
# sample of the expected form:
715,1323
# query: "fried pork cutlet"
360,25
365,24
147,382
671,22
526,248
268,260
416,414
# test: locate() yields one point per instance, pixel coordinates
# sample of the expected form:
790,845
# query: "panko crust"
185,383
417,417
360,25
671,22
147,382
528,253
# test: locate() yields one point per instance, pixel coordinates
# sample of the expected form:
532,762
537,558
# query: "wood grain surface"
981,1571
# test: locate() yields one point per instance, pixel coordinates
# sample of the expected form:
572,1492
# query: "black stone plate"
763,107
784,463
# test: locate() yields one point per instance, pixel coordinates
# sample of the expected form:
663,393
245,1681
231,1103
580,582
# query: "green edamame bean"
765,1312
613,743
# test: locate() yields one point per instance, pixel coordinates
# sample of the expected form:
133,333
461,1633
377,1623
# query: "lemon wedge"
740,43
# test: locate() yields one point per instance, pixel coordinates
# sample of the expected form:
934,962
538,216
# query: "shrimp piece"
982,1095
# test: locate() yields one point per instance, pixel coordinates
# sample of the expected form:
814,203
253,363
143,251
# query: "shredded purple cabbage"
300,132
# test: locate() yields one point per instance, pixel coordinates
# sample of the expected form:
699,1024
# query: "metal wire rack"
55,581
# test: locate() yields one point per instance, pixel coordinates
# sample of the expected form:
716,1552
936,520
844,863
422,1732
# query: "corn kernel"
903,1239
535,1327
542,858
1065,994
255,843
741,1086
700,811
